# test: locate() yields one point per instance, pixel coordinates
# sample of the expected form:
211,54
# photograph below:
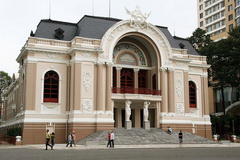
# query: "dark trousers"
47,143
69,142
112,142
109,143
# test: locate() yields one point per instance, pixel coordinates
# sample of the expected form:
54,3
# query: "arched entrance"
135,77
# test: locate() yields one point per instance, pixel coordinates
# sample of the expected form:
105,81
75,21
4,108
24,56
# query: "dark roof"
186,45
95,27
46,29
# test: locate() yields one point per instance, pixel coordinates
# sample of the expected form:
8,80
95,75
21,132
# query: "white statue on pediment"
138,19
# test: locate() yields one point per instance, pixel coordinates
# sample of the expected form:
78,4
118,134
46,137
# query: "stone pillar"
31,74
109,88
171,95
118,70
76,86
205,95
186,91
146,123
136,70
164,86
128,122
100,89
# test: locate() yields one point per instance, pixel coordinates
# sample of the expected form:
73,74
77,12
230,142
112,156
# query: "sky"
19,17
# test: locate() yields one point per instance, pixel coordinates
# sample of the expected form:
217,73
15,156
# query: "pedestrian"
180,137
53,139
69,140
112,139
109,139
74,138
169,131
48,137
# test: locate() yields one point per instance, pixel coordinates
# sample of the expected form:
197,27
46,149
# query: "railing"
130,90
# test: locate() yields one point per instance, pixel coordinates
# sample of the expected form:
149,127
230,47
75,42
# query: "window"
223,13
216,16
216,7
216,25
114,77
237,12
230,7
209,20
127,78
209,11
142,79
230,17
230,27
223,4
201,15
51,87
223,22
238,21
201,23
208,3
200,7
237,2
208,29
192,95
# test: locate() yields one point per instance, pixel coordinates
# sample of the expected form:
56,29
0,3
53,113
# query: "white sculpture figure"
145,110
138,20
128,110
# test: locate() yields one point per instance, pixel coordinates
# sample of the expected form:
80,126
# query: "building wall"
86,102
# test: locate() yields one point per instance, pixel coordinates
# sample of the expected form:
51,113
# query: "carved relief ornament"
87,80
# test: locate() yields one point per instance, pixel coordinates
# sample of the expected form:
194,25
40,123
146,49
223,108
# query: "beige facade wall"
86,100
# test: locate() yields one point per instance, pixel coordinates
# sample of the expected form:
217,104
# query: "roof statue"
138,19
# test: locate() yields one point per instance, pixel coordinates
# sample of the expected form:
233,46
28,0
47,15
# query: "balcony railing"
136,91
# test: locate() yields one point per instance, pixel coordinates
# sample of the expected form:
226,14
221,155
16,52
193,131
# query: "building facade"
218,17
106,73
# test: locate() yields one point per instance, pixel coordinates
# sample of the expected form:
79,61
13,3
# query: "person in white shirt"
112,139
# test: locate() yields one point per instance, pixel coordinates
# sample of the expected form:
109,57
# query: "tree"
199,39
5,81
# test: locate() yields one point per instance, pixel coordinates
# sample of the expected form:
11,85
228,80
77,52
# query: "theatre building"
105,73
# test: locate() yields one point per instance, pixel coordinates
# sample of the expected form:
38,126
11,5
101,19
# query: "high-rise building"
218,17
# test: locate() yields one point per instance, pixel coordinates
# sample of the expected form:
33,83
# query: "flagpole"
109,8
92,7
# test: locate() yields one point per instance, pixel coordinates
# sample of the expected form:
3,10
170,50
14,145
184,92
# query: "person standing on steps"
48,137
180,137
109,139
112,139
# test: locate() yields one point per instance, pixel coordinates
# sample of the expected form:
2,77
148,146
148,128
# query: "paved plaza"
230,151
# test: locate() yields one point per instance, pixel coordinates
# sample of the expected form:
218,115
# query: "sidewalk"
82,147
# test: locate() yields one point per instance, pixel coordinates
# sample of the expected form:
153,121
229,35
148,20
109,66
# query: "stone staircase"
137,136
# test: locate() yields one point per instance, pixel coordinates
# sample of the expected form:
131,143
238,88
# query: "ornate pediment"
138,19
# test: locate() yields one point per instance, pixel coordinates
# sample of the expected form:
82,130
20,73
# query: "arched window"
192,95
51,87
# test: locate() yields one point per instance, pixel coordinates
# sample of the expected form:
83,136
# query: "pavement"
84,147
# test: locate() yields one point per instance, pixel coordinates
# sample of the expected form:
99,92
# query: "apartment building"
218,17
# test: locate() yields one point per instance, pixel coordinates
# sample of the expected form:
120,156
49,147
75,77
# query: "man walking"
112,140
48,137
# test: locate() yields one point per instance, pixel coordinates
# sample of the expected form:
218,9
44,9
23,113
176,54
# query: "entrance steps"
139,136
